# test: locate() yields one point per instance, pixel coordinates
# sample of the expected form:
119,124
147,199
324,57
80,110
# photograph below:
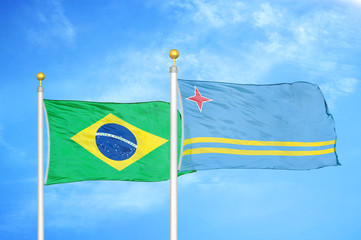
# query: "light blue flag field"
277,126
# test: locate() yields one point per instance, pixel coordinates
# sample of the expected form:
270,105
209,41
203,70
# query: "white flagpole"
173,148
40,76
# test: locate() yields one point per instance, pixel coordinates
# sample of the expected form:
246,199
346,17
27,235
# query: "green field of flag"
108,141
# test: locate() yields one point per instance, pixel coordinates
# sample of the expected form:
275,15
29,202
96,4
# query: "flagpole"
40,76
173,148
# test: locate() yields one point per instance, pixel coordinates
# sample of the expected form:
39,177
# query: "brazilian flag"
108,141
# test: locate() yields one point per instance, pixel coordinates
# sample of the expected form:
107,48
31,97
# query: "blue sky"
118,51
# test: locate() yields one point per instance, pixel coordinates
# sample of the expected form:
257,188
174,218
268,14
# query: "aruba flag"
279,126
108,141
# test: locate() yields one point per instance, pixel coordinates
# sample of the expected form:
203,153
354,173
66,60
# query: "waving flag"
280,126
108,141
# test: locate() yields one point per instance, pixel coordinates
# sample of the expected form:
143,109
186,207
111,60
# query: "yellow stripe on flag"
257,152
256,143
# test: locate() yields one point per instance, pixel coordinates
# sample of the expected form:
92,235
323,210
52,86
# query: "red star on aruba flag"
199,99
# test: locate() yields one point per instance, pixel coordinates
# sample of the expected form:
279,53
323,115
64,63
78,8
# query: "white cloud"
283,38
305,41
208,66
53,24
214,14
311,42
353,2
268,16
218,15
338,88
122,75
347,85
131,74
304,34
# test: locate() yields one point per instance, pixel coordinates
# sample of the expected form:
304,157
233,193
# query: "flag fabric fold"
108,141
279,126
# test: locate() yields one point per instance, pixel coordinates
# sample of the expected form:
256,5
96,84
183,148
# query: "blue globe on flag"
116,142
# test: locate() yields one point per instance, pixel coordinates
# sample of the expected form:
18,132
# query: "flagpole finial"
40,76
173,54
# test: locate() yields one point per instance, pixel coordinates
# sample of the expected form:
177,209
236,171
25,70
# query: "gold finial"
173,54
40,76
